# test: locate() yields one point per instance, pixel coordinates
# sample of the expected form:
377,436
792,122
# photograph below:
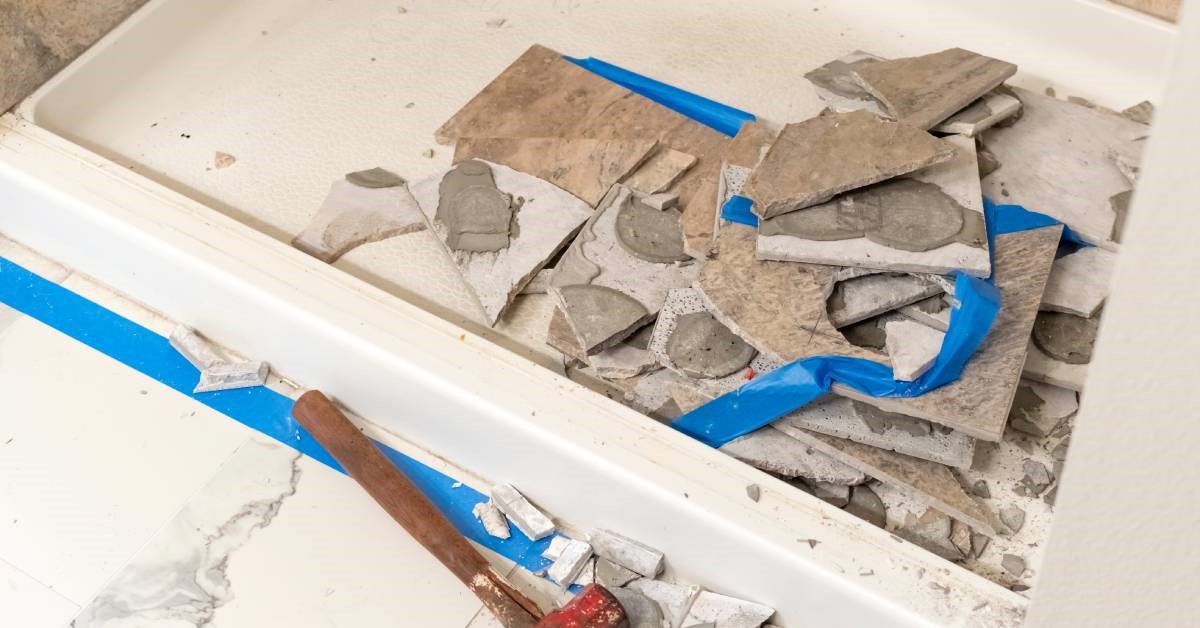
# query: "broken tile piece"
866,505
933,312
597,258
555,548
1042,368
570,562
1055,161
838,152
1079,282
229,376
859,298
1037,477
929,221
931,531
754,492
771,450
836,494
627,553
587,575
837,86
585,167
674,599
532,522
640,610
734,283
193,348
912,347
1039,408
859,422
923,91
1066,337
492,519
994,106
1013,564
960,537
546,218
930,482
1142,112
359,208
727,612
660,171
978,403
651,234
661,200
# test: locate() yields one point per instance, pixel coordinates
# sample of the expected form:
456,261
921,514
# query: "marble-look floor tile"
280,540
94,458
27,603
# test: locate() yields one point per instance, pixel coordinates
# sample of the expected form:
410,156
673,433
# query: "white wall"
1124,550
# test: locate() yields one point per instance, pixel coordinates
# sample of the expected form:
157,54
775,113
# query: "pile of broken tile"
567,184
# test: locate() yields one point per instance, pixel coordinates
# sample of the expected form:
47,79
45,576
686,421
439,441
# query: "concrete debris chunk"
856,421
866,505
838,152
1013,518
492,519
575,555
995,106
771,450
1013,564
912,347
229,376
361,207
727,612
1039,408
642,611
1037,477
611,575
674,599
1079,282
859,298
923,91
532,522
627,553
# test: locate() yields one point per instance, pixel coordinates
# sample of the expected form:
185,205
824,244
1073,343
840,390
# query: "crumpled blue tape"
778,393
737,209
258,408
711,113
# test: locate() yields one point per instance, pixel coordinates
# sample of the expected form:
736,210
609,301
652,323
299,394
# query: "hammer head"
593,607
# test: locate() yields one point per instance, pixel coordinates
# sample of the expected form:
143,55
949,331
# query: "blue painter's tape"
258,408
737,209
788,388
711,113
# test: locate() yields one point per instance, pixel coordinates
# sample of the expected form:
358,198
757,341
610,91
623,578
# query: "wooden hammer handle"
363,461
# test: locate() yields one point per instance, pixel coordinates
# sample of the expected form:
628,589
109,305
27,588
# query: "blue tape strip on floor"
710,113
258,408
780,392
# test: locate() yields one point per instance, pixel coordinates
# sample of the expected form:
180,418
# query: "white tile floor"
126,504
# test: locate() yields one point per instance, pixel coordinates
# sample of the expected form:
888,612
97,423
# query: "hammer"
594,607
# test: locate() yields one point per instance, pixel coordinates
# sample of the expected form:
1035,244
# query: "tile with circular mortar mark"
1066,337
651,234
839,152
352,215
702,347
860,228
546,219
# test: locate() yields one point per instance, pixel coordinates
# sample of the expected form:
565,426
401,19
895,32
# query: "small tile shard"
601,316
1013,564
836,494
532,522
229,376
223,160
587,575
1037,477
836,84
641,611
627,553
492,519
660,171
555,548
931,531
674,599
193,348
574,556
1039,408
838,152
980,489
612,575
859,298
361,207
960,537
994,106
925,90
754,492
1079,282
933,312
727,612
1013,518
912,347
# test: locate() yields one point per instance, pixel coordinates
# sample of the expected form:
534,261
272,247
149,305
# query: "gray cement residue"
1066,337
702,347
601,316
650,234
375,178
478,216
